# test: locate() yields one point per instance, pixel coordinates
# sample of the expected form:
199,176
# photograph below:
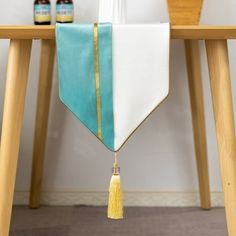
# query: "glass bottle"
65,11
42,12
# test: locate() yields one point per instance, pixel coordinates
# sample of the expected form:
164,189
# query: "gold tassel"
115,202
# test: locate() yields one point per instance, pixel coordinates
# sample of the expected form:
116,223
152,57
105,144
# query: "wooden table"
17,73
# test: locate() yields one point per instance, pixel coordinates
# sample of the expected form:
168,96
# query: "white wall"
160,155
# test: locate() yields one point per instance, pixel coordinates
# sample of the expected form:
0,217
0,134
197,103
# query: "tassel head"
115,202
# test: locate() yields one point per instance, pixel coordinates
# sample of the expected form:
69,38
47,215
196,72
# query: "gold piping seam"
97,80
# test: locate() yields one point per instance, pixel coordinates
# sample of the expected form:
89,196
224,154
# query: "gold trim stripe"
97,80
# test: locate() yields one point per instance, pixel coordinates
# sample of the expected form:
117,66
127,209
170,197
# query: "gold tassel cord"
115,202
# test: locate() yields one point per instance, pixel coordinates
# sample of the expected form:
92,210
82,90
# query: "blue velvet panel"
77,88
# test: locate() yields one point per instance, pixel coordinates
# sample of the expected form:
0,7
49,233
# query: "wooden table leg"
218,62
187,12
44,94
198,118
17,75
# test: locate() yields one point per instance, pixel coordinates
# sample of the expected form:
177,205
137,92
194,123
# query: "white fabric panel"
140,74
113,11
